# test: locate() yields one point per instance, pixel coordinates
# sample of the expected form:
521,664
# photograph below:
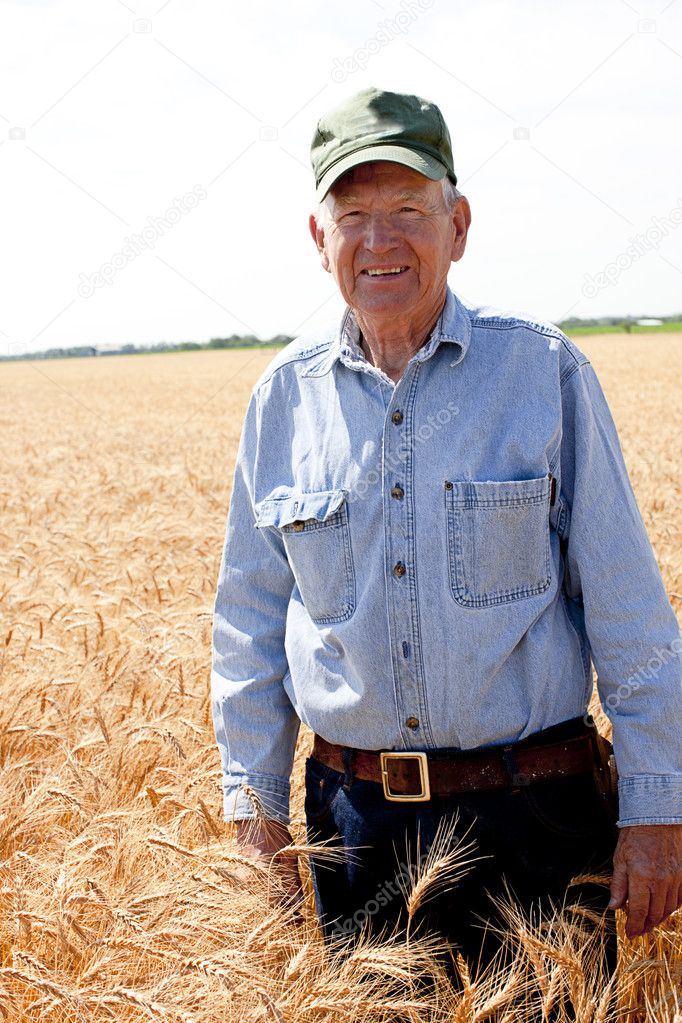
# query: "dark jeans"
538,837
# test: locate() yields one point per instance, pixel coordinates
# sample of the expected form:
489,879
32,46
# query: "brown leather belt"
408,775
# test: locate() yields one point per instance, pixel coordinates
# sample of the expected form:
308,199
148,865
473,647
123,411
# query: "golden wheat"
122,893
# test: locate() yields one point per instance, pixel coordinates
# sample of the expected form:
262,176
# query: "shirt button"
399,569
397,491
397,417
412,723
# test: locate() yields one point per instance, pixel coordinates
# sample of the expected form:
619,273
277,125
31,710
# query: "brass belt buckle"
402,797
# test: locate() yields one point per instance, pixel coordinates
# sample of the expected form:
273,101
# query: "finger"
287,884
291,905
657,901
674,899
671,901
285,901
293,897
288,874
638,909
619,886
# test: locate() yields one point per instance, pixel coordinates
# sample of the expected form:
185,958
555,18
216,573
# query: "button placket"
398,461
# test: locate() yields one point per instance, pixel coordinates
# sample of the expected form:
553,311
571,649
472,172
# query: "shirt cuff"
256,795
650,799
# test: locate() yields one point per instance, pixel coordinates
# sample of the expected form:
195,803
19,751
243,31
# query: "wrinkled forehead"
392,178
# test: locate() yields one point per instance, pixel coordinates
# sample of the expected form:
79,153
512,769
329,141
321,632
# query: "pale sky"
565,122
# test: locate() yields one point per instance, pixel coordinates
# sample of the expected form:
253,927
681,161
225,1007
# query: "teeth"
391,270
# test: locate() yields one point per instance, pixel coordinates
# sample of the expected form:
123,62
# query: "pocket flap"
492,493
281,509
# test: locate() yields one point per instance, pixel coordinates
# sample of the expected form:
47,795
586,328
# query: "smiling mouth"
389,271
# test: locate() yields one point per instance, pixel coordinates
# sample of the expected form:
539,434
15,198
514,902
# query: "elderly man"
431,538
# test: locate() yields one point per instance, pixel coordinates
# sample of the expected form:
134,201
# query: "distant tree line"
247,341
614,321
80,351
573,323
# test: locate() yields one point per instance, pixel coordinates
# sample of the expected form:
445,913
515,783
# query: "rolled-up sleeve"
612,575
255,724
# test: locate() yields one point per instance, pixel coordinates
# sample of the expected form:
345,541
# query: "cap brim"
420,162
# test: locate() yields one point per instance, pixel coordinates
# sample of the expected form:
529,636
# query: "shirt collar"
453,326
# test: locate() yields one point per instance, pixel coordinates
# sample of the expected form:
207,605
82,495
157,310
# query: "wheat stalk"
123,893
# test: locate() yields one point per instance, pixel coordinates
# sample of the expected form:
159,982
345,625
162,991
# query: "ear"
317,232
461,219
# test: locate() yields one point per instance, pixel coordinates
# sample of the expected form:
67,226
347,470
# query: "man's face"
383,216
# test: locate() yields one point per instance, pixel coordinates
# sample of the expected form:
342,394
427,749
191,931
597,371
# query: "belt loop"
516,778
347,754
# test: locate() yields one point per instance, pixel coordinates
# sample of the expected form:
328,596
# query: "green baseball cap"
378,125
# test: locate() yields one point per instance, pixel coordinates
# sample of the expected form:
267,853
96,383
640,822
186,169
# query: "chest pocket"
315,533
498,540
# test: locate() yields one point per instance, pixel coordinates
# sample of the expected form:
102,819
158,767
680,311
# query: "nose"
380,235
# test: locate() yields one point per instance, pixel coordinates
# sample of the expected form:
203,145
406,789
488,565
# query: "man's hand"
647,873
260,841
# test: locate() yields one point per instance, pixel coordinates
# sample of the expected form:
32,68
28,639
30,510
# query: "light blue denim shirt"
438,562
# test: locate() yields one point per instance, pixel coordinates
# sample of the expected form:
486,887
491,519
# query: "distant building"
110,349
648,322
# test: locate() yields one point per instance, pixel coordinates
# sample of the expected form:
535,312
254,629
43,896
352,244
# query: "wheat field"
123,894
